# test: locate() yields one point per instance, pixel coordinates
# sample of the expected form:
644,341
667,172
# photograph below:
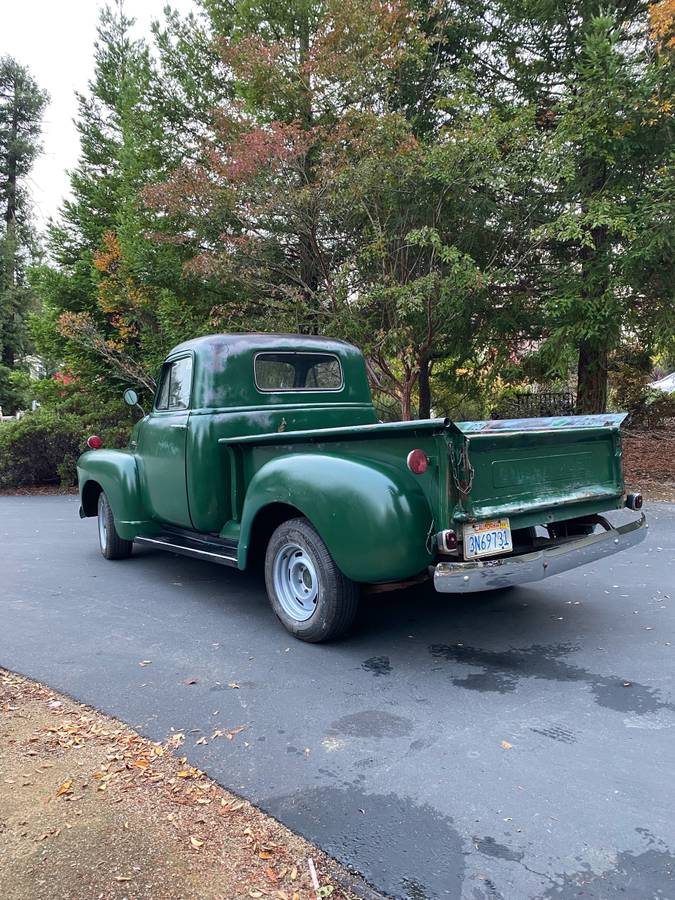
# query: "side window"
163,395
174,391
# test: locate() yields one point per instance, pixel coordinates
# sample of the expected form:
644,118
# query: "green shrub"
43,446
33,448
631,372
650,408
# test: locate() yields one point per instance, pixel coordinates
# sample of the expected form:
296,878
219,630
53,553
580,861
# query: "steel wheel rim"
102,527
296,583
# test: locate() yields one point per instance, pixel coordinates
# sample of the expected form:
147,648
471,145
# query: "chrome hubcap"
296,584
102,529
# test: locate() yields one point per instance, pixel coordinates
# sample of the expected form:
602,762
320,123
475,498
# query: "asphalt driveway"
519,744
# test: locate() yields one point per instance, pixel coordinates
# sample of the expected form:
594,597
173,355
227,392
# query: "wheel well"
265,522
90,494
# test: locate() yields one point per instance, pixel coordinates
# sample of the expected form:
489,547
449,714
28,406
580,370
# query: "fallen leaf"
233,685
54,704
271,874
141,763
65,787
294,873
234,731
190,681
145,662
202,740
506,746
122,877
196,843
266,854
255,893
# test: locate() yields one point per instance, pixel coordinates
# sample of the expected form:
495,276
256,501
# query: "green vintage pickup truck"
263,446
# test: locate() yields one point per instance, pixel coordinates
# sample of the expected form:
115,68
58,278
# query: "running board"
209,551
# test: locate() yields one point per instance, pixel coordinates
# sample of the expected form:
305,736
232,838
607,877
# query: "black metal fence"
544,403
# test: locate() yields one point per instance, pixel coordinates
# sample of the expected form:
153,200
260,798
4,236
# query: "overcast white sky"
55,39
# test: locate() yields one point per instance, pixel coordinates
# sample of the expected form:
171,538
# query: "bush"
43,446
651,409
35,448
14,391
630,392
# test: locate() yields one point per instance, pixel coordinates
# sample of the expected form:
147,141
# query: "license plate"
487,538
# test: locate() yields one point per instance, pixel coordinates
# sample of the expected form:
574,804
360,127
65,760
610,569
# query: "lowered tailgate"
536,470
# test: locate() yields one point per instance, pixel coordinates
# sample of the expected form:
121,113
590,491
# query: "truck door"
163,444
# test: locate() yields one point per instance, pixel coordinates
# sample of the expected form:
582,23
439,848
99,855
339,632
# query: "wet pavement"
518,744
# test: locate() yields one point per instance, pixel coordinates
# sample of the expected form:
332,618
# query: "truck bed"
535,471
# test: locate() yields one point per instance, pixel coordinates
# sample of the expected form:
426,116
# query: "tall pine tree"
22,104
117,299
600,84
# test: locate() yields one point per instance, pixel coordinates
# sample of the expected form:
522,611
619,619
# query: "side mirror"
131,399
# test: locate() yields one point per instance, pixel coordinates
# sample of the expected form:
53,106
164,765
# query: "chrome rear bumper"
489,574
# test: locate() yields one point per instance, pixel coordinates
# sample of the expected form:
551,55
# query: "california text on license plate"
487,538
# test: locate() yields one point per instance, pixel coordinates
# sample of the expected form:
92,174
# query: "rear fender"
373,517
116,472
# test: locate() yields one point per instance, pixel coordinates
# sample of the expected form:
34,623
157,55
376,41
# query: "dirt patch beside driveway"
649,462
88,808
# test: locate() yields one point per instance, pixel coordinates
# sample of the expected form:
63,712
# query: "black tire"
333,596
111,544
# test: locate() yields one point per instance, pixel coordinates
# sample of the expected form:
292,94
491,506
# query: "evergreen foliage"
22,105
478,194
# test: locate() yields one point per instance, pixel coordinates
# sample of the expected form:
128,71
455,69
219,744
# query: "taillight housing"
94,442
417,462
634,501
446,540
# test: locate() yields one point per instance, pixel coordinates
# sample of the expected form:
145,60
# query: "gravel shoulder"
92,809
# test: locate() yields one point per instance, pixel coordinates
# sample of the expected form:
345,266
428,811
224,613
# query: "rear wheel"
111,544
309,594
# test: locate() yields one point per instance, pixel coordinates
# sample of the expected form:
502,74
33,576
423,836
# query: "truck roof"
243,342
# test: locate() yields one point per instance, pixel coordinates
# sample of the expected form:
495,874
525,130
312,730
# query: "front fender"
373,517
117,474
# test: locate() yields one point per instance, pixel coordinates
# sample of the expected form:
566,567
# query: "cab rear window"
287,371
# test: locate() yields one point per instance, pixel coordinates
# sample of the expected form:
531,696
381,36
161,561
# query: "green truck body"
254,436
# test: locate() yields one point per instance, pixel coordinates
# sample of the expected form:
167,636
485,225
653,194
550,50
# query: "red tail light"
417,462
94,442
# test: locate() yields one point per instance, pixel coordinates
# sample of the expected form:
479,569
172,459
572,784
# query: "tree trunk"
595,287
406,401
592,379
424,409
309,264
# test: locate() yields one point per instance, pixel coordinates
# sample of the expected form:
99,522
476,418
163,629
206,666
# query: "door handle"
180,427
